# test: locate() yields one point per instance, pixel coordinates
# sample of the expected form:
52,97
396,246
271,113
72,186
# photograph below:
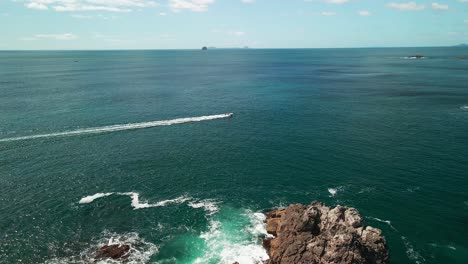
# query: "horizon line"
236,48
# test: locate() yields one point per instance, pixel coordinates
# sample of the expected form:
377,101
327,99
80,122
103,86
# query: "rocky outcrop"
316,234
116,251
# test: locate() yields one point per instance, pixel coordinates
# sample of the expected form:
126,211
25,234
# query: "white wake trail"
114,128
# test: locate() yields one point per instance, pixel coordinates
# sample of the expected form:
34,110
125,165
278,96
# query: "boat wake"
115,128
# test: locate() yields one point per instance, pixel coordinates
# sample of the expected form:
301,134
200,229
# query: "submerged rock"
116,251
316,234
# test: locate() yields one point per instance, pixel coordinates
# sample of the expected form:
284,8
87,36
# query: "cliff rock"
317,234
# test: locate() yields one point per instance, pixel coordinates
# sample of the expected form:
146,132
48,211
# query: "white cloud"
364,13
408,6
437,6
162,14
37,5
247,1
466,21
192,5
89,5
325,13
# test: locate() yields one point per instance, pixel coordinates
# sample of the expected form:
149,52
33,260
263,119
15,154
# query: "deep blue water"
388,133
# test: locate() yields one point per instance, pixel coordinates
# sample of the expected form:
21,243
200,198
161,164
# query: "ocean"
140,147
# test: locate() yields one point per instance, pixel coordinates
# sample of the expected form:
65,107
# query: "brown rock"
116,251
317,234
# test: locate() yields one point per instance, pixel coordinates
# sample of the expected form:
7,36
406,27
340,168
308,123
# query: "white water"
443,246
91,198
235,236
388,222
114,128
135,197
226,242
411,253
210,206
140,250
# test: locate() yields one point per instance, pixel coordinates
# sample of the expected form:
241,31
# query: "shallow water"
358,127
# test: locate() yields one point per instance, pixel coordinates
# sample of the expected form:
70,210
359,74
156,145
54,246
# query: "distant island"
461,45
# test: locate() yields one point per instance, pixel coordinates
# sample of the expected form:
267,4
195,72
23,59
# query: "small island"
205,48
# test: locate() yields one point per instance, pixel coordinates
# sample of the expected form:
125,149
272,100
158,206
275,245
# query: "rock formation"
317,234
116,251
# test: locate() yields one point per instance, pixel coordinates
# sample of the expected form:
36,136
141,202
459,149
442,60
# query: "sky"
191,24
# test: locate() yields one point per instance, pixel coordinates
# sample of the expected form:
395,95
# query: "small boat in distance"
229,115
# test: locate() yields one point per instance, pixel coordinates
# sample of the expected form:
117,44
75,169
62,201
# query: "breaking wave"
443,246
388,222
114,128
210,206
135,197
231,240
141,251
411,253
334,191
231,235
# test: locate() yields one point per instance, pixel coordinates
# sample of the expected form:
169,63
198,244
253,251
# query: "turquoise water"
387,134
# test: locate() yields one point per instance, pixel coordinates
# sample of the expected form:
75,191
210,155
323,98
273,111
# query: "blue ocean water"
366,128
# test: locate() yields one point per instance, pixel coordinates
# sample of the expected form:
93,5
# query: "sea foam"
209,205
388,222
411,253
140,250
115,128
135,199
332,191
91,198
443,246
226,242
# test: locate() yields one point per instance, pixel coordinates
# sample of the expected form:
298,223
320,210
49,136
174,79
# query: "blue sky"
186,24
